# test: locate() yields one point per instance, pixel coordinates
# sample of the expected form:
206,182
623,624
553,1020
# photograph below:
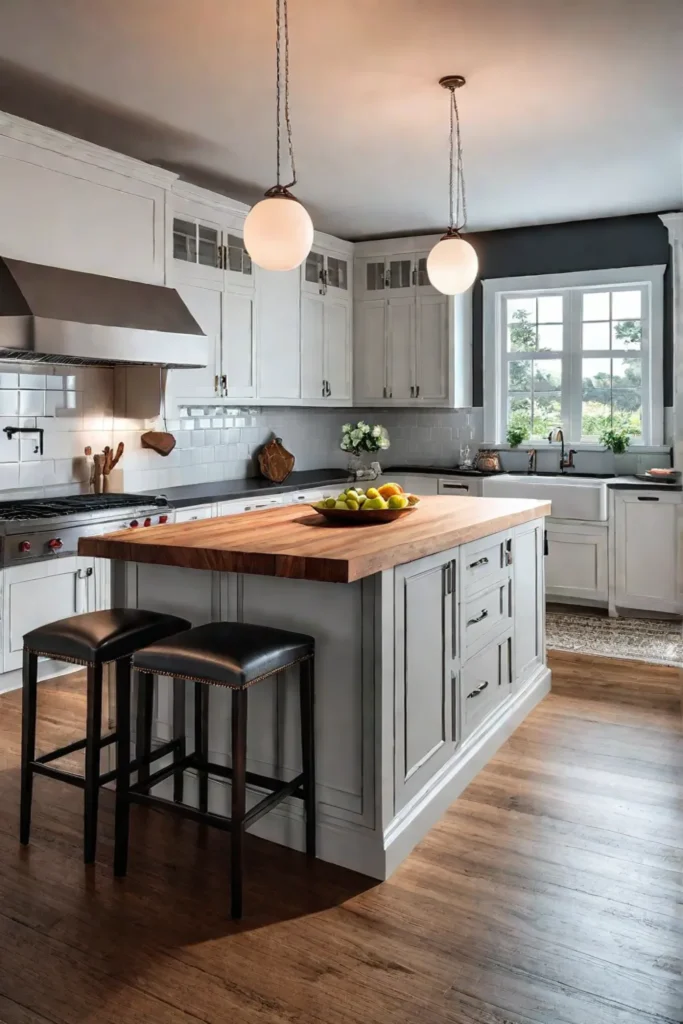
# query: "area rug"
652,640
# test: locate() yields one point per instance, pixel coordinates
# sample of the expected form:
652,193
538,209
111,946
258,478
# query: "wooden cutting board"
275,461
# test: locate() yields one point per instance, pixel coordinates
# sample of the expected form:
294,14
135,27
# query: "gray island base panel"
422,672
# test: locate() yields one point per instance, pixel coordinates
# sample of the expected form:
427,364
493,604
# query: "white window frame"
497,290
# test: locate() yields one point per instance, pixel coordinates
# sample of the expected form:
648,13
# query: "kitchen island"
430,650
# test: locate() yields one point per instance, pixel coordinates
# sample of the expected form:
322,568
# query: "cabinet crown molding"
673,222
213,200
21,130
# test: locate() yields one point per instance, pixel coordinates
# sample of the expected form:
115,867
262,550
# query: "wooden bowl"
347,517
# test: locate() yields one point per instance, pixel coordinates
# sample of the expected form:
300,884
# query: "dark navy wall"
641,240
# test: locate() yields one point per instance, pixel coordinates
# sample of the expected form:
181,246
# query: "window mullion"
572,393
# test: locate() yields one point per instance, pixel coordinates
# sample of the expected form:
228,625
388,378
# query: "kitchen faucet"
557,434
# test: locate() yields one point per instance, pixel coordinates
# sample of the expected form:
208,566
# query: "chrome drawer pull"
480,561
479,689
478,618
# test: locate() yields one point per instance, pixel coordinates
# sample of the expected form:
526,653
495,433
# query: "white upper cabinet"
426,345
197,250
67,203
370,357
205,304
326,317
238,349
278,335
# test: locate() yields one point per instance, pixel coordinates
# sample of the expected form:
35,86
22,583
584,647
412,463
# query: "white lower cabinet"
43,592
577,561
460,486
647,528
485,683
193,514
425,649
468,638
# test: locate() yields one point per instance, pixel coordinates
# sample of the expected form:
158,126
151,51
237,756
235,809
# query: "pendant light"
278,231
452,264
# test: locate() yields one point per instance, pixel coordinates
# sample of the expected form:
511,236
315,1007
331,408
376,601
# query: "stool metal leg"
122,813
201,741
307,699
179,734
239,798
28,741
92,761
143,730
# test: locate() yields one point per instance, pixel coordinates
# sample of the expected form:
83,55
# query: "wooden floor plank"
551,892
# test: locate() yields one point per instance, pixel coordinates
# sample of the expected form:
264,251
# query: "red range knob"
147,522
25,545
134,523
163,519
55,544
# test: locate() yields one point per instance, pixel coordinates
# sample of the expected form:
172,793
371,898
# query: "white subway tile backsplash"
9,403
212,436
31,403
9,380
32,380
197,438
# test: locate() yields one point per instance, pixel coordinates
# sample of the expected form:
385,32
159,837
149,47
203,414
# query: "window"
580,351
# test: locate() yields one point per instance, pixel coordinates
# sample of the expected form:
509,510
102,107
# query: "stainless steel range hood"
52,315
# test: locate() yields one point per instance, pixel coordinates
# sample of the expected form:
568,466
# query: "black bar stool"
236,655
93,640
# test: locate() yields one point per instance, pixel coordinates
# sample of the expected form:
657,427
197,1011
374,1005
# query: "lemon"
341,504
374,503
330,502
398,501
351,504
373,493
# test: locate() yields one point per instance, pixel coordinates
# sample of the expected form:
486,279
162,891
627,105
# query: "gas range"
44,528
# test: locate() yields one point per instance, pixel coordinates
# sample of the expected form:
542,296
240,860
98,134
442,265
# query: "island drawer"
485,615
485,683
485,561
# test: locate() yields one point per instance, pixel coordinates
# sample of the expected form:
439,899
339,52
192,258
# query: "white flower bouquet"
364,438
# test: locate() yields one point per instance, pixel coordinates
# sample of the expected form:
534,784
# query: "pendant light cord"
282,56
458,197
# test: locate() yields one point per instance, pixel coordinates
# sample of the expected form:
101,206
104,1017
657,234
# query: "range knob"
55,544
133,523
147,522
163,519
25,545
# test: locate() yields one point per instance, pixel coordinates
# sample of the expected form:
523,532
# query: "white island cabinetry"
422,671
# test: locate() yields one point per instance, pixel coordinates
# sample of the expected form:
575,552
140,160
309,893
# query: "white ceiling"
573,108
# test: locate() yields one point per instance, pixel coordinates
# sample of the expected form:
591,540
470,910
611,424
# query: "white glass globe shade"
452,265
278,233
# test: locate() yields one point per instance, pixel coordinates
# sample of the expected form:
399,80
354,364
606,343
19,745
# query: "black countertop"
251,487
619,483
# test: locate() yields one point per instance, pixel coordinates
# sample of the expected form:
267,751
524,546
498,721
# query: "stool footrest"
139,793
58,773
71,748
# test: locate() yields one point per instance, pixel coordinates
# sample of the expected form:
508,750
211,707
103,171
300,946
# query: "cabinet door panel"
278,313
528,599
312,343
205,306
646,544
577,561
424,674
238,344
401,347
431,357
336,348
369,351
40,593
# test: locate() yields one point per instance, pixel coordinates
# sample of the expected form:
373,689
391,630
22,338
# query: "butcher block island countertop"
296,543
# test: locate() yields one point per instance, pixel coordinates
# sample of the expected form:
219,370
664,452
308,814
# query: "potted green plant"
361,438
617,441
516,435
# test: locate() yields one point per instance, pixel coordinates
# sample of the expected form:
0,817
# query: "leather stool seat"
100,637
233,654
